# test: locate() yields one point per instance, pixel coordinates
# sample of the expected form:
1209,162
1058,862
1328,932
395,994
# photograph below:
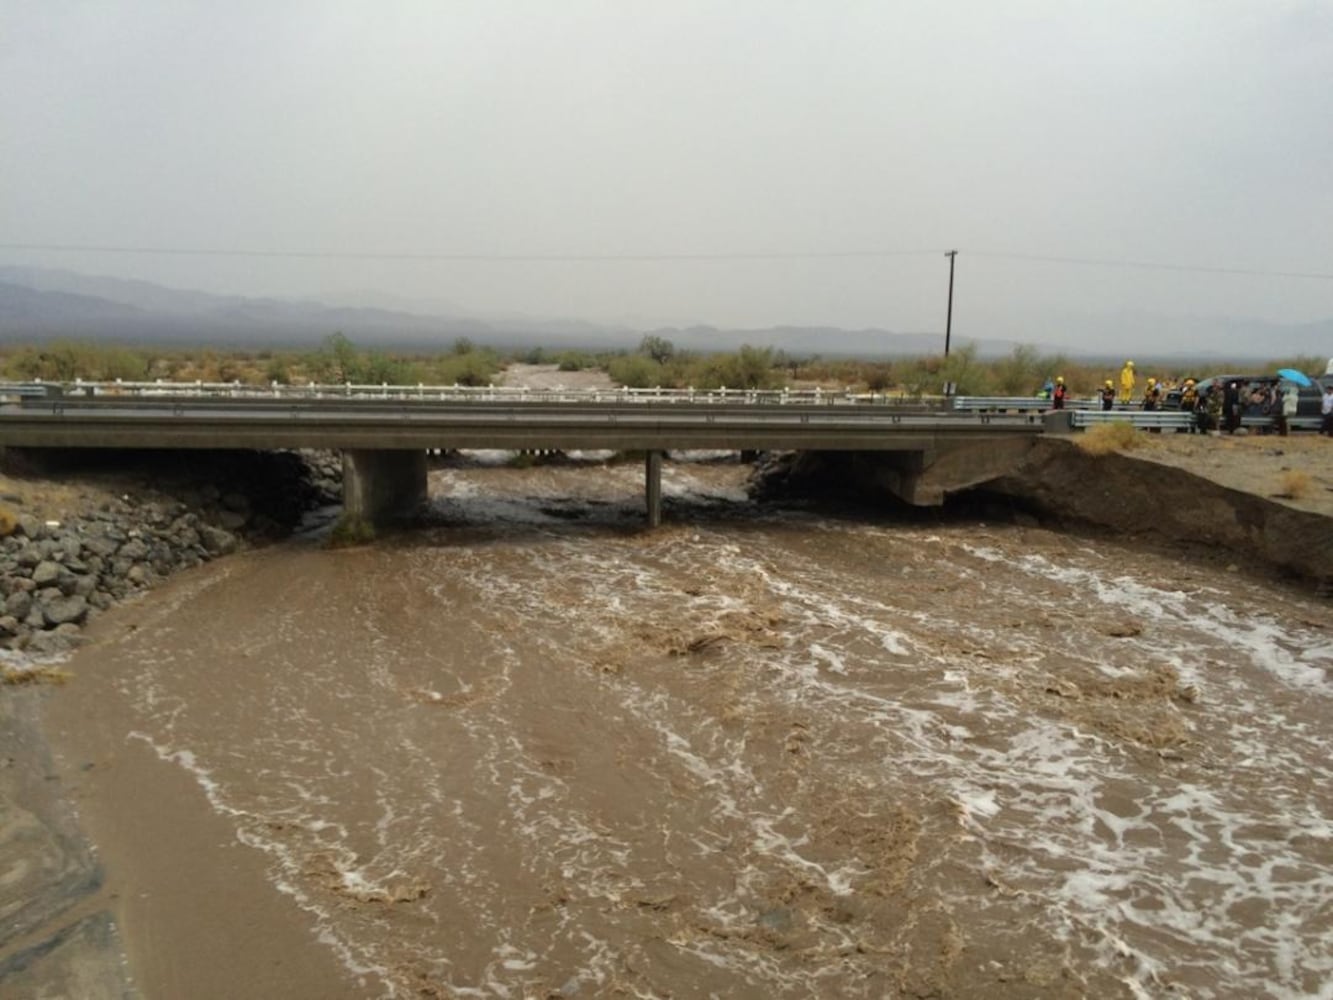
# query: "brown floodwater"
536,751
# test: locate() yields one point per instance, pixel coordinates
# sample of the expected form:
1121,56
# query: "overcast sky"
1183,132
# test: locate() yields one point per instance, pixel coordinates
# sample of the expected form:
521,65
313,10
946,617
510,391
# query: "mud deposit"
534,751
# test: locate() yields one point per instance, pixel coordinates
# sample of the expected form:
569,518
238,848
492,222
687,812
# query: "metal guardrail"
26,390
1017,404
1174,419
457,393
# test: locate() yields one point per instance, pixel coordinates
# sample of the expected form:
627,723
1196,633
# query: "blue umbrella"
1292,375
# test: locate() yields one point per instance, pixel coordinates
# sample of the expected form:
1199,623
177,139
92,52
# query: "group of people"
1217,407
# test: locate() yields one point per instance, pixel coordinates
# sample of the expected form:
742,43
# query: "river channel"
534,750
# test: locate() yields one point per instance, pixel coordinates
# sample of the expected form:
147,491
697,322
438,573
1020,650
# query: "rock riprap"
56,575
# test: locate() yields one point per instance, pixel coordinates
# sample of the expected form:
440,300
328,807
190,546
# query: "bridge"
384,433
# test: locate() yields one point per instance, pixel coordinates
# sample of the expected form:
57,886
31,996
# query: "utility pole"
948,322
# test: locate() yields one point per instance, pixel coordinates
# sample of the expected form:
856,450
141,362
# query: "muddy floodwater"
535,751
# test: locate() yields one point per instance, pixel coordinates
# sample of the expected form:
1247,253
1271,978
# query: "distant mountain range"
44,303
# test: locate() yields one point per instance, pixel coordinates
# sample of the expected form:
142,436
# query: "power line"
481,257
1152,265
555,258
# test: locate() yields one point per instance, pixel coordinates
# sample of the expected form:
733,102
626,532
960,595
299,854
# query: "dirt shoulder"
1264,465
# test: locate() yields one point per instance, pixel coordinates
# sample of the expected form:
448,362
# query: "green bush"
636,371
574,361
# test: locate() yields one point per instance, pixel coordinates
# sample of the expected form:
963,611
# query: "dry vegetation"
1294,484
656,362
1297,470
1114,437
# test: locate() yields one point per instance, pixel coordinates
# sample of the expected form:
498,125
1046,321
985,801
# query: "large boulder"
101,545
71,545
62,610
31,526
46,573
18,604
28,556
134,550
217,541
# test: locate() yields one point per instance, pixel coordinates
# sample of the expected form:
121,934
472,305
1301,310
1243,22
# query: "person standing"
1059,393
1189,401
1210,415
1127,382
1108,395
1326,408
1288,402
1152,395
1231,407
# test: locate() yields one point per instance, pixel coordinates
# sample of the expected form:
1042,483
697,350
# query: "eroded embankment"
1065,486
1059,480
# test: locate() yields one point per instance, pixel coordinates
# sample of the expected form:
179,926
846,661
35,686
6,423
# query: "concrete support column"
653,487
381,485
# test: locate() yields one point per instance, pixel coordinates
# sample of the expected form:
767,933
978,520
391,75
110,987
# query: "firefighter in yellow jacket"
1127,382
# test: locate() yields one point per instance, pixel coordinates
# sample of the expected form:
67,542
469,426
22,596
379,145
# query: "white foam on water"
1149,866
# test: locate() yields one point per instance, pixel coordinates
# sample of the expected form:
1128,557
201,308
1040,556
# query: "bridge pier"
653,486
381,485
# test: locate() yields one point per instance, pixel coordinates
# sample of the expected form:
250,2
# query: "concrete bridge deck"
926,452
141,423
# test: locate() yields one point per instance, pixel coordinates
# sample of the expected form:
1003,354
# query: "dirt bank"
1259,502
1213,496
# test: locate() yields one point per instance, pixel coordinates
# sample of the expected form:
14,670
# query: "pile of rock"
57,575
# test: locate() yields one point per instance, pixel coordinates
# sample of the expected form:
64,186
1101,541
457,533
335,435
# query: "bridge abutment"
924,478
382,485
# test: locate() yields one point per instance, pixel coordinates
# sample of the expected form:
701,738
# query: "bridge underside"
382,485
924,478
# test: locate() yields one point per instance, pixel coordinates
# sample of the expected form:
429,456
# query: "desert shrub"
1019,373
638,371
748,368
658,348
9,521
64,361
1103,439
378,368
574,361
1294,484
476,368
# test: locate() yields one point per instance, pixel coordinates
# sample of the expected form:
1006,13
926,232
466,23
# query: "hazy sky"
1184,132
